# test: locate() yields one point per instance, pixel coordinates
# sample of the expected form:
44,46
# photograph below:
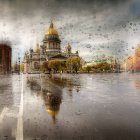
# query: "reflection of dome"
52,111
52,103
52,30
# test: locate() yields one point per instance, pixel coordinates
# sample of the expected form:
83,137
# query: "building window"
51,45
47,46
58,46
36,65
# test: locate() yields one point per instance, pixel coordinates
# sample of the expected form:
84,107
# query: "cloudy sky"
95,28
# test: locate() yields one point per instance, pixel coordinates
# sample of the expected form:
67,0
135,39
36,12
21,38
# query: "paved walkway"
10,102
68,107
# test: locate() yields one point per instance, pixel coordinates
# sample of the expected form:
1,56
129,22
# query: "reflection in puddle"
106,107
52,103
137,83
50,89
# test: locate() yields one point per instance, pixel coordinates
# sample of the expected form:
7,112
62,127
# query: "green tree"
103,66
73,64
44,66
88,68
56,65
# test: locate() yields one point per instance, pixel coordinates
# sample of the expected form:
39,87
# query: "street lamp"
16,67
16,50
19,64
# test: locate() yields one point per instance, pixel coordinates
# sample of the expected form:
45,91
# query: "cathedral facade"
49,49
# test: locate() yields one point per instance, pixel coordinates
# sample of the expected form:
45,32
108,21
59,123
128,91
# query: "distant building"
50,49
110,60
133,62
5,58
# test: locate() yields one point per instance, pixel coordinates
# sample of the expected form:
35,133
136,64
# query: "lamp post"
16,50
19,64
125,66
16,67
40,60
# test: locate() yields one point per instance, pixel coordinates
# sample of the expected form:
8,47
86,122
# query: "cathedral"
48,50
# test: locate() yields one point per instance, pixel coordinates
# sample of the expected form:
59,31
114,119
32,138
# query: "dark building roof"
59,56
5,43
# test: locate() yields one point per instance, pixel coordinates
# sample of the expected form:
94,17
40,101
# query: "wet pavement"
65,107
10,94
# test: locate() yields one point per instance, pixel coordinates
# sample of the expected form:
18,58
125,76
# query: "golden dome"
52,30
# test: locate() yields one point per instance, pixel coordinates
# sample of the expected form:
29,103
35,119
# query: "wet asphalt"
66,107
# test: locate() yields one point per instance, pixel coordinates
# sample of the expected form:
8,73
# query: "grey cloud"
79,22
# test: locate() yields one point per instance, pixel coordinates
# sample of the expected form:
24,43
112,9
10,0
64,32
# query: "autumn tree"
73,64
88,68
22,67
103,66
44,66
56,65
